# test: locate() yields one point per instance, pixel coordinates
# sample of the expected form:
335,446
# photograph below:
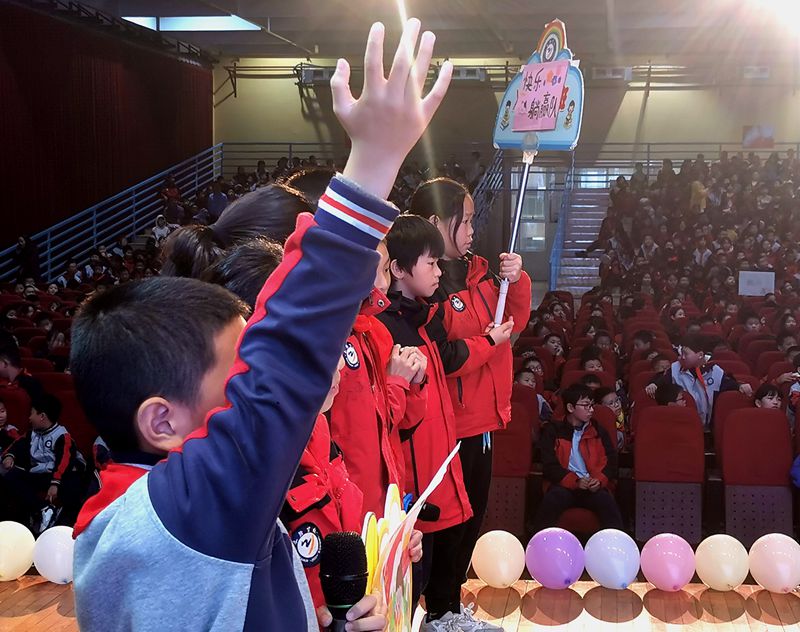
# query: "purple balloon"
554,558
668,562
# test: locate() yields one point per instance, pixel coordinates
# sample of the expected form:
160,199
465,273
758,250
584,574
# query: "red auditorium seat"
756,349
565,297
778,369
56,382
669,470
37,365
62,324
74,420
766,360
38,344
751,337
717,356
18,406
607,421
24,334
724,404
734,367
757,453
512,460
640,380
25,352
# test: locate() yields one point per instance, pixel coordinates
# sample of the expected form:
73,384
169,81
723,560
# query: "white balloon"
721,562
612,559
16,550
52,555
498,559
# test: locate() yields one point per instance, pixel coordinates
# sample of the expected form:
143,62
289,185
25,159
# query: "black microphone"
342,574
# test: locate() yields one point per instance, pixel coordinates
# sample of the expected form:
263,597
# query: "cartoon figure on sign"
568,118
506,116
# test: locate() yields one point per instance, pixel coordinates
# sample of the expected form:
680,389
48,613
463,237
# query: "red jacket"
372,408
412,323
469,293
321,500
596,449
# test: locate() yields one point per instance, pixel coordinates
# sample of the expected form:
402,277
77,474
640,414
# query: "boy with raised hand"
192,538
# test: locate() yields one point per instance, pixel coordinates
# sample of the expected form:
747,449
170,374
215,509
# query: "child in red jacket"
381,394
469,291
414,249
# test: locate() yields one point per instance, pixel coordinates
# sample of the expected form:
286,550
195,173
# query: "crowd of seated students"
680,334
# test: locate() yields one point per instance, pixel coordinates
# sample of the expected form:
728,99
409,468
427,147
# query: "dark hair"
575,393
410,238
781,337
645,336
591,353
49,405
440,197
601,392
189,250
695,342
519,373
590,378
311,183
667,393
602,333
159,334
766,390
269,211
245,268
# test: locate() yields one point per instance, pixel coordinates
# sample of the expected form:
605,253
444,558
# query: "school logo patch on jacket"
351,356
457,304
307,541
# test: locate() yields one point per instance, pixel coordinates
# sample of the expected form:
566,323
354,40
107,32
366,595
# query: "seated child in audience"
608,397
660,363
768,396
591,381
703,380
527,378
8,432
605,341
44,468
591,359
669,394
11,368
579,461
230,473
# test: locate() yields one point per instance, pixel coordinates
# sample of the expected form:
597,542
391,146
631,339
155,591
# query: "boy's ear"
156,424
434,219
570,408
396,270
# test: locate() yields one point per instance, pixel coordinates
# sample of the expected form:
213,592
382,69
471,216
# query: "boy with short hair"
669,394
578,460
45,461
703,380
195,534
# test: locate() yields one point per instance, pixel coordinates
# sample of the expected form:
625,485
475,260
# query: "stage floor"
32,605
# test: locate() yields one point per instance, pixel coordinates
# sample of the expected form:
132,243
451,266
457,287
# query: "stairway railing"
485,193
125,214
563,217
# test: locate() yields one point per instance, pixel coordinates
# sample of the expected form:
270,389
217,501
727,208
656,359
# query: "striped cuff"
347,210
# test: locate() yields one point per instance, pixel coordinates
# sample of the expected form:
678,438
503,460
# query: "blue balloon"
612,559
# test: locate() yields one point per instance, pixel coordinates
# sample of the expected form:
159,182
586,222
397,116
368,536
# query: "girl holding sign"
468,292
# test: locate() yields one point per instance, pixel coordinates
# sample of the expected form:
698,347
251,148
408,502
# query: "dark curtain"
84,115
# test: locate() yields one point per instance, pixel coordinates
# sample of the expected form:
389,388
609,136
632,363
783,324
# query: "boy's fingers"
324,617
340,87
368,624
366,605
373,57
423,61
398,76
434,99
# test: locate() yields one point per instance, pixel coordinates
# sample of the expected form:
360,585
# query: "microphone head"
343,571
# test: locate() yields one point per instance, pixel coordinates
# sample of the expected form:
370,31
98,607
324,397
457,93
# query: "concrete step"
577,270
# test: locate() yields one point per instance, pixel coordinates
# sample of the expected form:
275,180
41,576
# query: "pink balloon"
668,562
554,558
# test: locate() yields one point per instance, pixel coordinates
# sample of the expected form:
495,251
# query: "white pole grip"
501,303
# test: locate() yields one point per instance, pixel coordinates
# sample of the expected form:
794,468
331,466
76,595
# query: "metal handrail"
563,217
485,192
125,214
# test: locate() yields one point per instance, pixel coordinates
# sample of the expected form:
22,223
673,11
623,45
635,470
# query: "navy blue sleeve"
222,492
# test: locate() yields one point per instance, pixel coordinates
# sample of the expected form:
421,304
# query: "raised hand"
391,114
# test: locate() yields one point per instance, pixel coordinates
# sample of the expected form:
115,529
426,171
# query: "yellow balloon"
16,550
721,562
498,559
